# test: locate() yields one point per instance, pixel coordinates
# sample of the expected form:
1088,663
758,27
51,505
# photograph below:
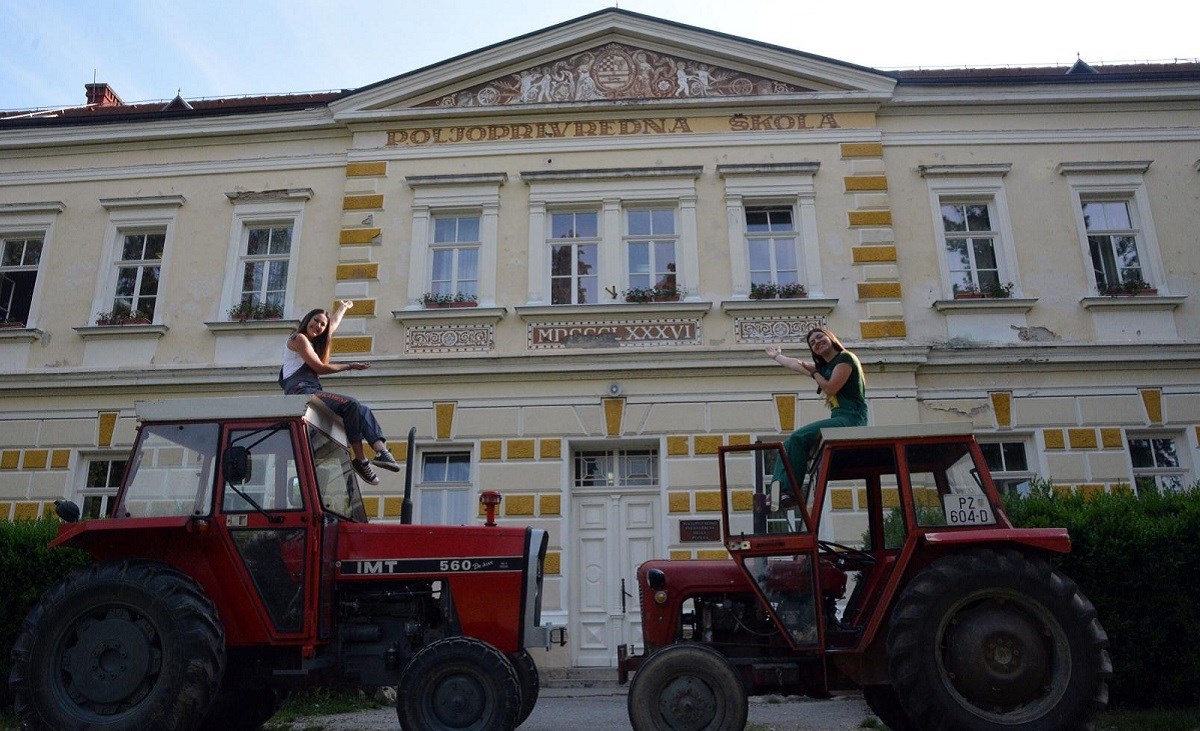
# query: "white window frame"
974,184
1108,181
456,247
1181,470
651,241
26,221
574,243
108,493
447,490
612,192
435,195
1031,458
135,215
773,186
774,236
618,462
248,214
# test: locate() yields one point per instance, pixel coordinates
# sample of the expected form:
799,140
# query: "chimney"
102,95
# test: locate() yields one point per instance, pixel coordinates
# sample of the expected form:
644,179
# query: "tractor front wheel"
687,687
459,684
993,640
118,645
529,680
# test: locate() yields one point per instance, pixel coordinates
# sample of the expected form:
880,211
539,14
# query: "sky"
153,49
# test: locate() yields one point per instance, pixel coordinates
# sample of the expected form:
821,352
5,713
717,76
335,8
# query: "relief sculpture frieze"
614,72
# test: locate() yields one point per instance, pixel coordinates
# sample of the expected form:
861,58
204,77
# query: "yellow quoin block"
872,254
870,218
358,236
679,502
60,459
107,425
677,446
371,506
518,504
878,290
366,169
550,448
614,409
708,501
1053,439
742,500
362,202
392,506
708,443
553,563
348,272
443,417
490,449
876,329
677,555
550,504
864,183
1002,407
1082,438
351,344
842,499
1110,438
1152,399
520,448
862,149
36,459
712,554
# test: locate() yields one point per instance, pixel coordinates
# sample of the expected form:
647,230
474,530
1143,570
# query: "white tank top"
291,360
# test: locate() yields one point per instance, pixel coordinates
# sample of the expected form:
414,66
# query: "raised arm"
335,318
795,364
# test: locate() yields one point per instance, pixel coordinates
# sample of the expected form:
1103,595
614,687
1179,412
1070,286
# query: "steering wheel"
842,554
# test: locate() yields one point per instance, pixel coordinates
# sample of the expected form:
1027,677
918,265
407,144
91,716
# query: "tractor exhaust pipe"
406,506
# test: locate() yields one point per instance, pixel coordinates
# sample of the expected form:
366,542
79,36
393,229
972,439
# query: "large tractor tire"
118,646
884,703
242,709
529,680
993,640
687,687
459,684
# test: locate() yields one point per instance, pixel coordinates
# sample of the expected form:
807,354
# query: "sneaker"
385,460
363,468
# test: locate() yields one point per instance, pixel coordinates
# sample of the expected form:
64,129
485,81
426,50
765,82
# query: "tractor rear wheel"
530,682
459,684
994,640
687,687
118,645
884,703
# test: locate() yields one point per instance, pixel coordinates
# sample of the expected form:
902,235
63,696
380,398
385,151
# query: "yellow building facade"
611,201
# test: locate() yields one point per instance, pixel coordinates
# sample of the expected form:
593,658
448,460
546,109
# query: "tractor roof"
900,431
244,407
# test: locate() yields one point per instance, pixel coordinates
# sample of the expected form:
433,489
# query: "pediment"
615,56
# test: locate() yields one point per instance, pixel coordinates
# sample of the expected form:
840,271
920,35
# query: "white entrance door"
613,534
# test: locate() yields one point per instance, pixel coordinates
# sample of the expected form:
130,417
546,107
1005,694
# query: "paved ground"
603,708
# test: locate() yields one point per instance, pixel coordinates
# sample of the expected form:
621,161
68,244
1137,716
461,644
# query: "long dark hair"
820,362
321,342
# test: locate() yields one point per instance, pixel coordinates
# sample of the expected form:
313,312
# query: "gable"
615,56
614,72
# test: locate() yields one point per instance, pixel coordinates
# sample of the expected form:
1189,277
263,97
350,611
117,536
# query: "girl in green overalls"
840,379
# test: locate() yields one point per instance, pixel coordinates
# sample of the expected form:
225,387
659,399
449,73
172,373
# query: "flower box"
449,305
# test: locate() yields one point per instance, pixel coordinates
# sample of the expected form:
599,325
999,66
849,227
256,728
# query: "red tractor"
956,620
239,564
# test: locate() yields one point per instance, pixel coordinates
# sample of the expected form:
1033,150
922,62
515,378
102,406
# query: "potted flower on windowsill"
439,300
764,291
657,293
250,310
121,315
771,290
988,291
1129,288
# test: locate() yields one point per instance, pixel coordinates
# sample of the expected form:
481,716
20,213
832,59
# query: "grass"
1179,719
322,702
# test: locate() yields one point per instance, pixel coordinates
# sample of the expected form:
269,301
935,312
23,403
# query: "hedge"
1137,557
29,569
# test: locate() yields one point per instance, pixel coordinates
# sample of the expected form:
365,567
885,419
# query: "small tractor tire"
994,640
458,683
687,687
116,646
884,703
529,680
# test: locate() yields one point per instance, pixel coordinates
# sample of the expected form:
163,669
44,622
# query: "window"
594,233
445,489
137,245
99,491
1156,460
1112,243
1008,463
1116,232
772,214
650,248
273,481
19,259
574,264
264,242
455,254
172,472
138,270
264,265
971,247
617,468
772,246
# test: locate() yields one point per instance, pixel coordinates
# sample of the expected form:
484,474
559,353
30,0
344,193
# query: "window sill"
492,314
615,308
225,326
21,334
799,305
1138,302
986,304
105,332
